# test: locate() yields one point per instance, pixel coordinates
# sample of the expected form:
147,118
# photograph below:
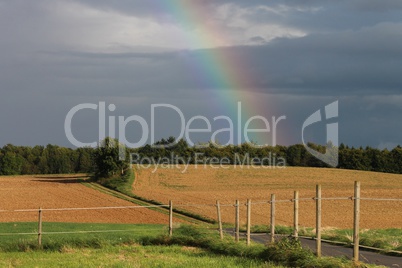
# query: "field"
204,185
71,236
32,192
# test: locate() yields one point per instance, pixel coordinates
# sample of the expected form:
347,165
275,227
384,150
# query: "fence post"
170,218
218,210
356,221
318,220
296,214
237,221
248,220
40,227
272,218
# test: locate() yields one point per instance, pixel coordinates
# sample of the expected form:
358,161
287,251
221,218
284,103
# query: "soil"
204,185
47,192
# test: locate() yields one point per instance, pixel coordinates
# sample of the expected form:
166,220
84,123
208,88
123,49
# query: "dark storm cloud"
343,63
339,63
49,63
376,6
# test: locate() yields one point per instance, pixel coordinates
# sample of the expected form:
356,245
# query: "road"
336,251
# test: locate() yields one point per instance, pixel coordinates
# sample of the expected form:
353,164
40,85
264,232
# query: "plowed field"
204,185
28,192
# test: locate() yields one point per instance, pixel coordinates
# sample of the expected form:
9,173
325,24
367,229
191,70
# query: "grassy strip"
287,252
208,247
162,210
123,185
58,235
128,256
386,239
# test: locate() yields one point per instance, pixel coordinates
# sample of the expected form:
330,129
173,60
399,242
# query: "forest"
53,159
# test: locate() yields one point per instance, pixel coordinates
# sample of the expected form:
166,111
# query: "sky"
164,68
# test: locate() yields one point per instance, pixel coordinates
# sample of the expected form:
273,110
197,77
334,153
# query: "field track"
205,185
32,192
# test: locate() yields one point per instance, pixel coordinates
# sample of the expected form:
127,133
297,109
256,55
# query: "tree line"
52,159
104,160
367,159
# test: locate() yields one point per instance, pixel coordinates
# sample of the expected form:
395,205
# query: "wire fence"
317,199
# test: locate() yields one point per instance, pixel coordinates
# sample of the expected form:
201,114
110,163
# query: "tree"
295,155
84,161
396,154
11,164
108,158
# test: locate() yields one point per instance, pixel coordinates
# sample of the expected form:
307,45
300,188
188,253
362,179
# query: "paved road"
338,251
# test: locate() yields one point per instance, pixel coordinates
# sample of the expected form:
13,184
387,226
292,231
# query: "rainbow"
219,69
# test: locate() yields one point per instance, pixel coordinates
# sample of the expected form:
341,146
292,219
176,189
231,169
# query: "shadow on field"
61,179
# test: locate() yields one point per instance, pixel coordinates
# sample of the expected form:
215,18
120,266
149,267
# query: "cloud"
228,23
376,6
333,64
258,40
348,62
64,24
302,55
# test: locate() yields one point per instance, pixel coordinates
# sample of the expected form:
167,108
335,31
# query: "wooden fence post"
237,221
318,220
296,214
272,218
356,221
40,227
248,220
170,218
218,210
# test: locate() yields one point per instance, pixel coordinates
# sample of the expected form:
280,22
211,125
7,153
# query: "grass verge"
386,239
123,184
127,256
82,235
148,245
287,252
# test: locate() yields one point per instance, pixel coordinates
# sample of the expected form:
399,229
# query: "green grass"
146,246
127,256
386,239
121,183
124,233
287,252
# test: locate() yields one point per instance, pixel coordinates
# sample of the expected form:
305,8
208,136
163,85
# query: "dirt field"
201,185
28,192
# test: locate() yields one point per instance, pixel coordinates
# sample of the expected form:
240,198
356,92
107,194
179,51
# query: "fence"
356,198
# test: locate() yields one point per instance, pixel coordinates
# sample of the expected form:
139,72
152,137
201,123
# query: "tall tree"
108,158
